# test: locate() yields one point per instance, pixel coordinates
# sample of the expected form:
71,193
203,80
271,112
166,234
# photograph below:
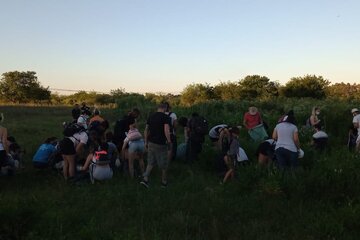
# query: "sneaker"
164,185
145,183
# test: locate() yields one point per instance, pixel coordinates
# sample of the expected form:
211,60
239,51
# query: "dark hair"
290,119
109,136
96,112
317,126
234,130
135,112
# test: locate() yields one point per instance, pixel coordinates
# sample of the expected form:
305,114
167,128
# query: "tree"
196,93
308,86
22,87
227,90
255,86
343,91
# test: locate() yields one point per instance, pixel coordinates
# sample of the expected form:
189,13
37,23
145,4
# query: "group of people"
88,146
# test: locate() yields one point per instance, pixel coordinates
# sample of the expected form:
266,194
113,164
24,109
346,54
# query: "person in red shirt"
254,124
252,118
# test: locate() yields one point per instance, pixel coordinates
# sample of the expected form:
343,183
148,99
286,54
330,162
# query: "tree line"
24,87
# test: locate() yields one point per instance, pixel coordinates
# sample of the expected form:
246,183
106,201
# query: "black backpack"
71,128
199,125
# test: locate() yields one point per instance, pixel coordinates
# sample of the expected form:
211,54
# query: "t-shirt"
44,152
356,119
285,136
252,120
320,134
234,146
215,131
96,118
156,124
133,135
82,121
81,137
173,118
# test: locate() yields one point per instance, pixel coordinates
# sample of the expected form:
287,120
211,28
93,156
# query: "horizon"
162,46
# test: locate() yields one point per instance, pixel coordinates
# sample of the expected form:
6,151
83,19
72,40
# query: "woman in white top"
287,143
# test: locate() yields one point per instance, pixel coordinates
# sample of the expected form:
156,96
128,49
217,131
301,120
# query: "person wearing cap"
157,142
356,123
254,123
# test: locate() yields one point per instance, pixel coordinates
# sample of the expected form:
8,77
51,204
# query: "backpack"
71,128
199,125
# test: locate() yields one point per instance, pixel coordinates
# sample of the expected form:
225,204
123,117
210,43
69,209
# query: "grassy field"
321,201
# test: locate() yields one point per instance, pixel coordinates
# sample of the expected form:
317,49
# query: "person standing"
356,122
173,126
314,118
157,142
287,143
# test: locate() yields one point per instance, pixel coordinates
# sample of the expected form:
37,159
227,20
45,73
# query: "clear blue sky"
164,45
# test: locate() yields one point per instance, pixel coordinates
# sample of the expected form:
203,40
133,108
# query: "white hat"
354,110
301,153
253,110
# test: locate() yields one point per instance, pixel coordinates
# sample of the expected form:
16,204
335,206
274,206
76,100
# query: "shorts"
267,149
136,146
67,147
157,154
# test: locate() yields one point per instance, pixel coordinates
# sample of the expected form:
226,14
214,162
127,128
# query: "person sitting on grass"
97,163
231,156
44,152
133,148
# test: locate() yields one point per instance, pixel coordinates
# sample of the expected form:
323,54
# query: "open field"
320,202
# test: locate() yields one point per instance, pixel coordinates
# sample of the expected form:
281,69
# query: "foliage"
22,87
343,91
196,93
319,201
308,86
255,86
227,91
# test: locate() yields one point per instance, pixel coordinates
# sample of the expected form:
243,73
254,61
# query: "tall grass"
319,201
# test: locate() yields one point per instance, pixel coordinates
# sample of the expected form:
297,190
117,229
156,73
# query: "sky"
165,45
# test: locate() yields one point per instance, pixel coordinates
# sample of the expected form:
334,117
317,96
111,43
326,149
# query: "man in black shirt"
122,127
157,141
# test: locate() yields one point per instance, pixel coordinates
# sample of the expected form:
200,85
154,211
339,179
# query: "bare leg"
147,172
65,167
164,176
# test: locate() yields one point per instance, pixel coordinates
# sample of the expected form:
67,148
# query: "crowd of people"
90,148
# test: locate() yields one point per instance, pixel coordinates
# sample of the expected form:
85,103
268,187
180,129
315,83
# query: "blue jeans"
286,158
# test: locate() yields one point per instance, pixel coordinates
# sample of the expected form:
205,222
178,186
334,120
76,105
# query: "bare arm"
274,135
146,135
296,140
167,132
314,120
87,162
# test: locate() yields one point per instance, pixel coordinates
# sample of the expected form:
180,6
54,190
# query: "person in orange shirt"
96,117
